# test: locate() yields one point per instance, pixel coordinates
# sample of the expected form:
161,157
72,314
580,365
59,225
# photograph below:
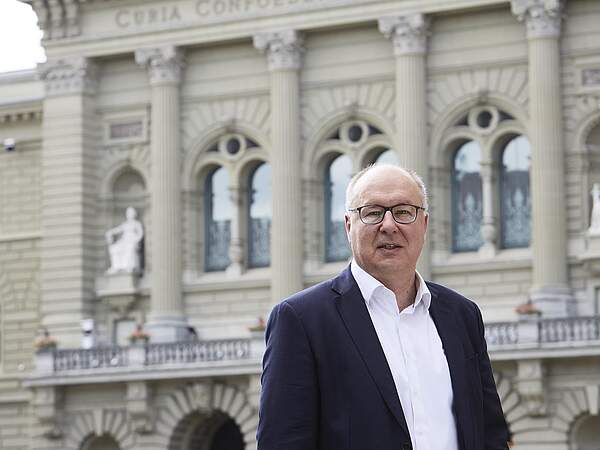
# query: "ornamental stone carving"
124,244
284,49
542,17
408,33
164,64
75,75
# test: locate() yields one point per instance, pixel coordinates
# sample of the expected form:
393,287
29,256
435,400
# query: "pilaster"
166,320
284,51
409,36
69,191
550,290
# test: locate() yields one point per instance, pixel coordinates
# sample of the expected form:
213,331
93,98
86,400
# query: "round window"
355,133
233,145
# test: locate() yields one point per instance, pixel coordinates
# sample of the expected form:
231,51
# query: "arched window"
467,206
515,204
388,157
259,220
218,221
337,175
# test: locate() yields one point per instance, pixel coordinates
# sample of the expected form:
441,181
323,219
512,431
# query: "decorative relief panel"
198,119
321,104
509,82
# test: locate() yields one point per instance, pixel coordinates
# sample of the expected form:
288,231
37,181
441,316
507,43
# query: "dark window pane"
515,201
233,146
337,176
355,133
484,118
259,232
467,207
218,221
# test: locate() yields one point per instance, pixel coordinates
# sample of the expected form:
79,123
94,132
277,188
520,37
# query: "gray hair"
408,172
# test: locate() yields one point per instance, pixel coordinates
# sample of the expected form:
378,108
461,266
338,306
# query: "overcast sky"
19,37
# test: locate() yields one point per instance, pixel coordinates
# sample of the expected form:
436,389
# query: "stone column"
550,290
488,227
284,50
409,36
69,197
166,320
236,242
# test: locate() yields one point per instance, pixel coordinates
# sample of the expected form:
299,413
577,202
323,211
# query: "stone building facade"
231,126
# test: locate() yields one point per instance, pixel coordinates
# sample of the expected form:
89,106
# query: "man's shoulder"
451,298
311,297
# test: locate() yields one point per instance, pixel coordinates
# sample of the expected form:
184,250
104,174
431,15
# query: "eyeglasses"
374,214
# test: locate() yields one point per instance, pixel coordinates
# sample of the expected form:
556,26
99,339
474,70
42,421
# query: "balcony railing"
502,333
94,358
226,354
570,329
197,351
537,332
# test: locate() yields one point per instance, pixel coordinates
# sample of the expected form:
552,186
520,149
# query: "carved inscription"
128,17
203,10
126,130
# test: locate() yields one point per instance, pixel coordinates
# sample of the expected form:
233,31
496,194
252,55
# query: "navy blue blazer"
326,384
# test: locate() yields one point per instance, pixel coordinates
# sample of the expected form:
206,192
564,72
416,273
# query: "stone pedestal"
166,320
284,50
119,290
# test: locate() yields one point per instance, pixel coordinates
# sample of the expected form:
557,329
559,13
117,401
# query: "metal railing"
94,358
197,351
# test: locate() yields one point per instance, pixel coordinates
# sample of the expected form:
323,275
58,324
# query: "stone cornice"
408,33
164,64
283,48
75,75
542,17
21,113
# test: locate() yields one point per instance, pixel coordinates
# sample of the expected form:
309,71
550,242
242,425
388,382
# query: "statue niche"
125,245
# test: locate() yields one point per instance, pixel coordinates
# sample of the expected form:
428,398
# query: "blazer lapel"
355,315
450,334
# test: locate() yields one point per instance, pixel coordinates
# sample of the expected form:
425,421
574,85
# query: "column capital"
66,76
408,33
164,64
542,17
283,48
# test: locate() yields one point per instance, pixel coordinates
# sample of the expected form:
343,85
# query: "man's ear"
347,225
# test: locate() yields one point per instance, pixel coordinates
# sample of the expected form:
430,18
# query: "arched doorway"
586,433
216,431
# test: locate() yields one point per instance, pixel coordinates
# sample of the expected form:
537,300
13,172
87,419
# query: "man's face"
386,248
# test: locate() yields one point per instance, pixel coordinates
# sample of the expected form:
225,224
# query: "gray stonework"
93,132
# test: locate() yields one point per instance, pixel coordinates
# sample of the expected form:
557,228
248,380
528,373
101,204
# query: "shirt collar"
368,285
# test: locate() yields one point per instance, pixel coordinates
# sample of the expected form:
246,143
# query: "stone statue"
595,220
124,244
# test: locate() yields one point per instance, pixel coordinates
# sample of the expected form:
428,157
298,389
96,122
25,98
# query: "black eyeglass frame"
385,210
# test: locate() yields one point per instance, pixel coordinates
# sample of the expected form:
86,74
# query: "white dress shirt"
414,353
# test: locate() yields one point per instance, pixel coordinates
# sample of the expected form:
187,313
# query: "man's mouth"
389,246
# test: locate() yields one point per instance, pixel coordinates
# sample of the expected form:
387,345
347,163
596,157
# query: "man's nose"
388,222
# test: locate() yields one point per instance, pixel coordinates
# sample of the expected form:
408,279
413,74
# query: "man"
377,359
